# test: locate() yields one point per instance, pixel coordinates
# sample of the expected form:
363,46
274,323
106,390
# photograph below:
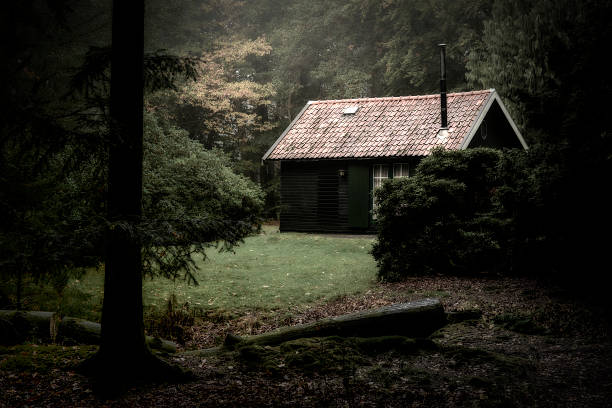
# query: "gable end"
491,101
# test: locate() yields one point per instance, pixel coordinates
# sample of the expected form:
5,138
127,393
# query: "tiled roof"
381,127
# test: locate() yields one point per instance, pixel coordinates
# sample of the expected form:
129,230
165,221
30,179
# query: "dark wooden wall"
497,131
314,196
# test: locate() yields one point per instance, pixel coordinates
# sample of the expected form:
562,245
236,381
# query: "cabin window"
484,132
350,110
400,170
381,172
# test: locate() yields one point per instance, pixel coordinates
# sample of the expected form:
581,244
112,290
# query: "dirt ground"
532,345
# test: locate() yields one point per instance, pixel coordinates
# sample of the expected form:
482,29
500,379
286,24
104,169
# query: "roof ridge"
398,98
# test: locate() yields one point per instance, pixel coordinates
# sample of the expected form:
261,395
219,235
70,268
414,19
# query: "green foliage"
44,230
411,32
174,323
524,53
32,358
183,178
192,199
364,48
53,157
48,225
481,210
80,297
229,105
442,219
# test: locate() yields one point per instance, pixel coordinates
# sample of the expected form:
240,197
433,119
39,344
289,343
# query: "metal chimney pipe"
443,112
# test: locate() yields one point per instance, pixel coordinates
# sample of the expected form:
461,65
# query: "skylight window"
350,110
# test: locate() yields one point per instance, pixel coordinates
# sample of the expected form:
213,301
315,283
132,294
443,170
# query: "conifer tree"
123,356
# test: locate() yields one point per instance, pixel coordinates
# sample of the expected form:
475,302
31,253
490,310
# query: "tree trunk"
124,356
122,325
19,287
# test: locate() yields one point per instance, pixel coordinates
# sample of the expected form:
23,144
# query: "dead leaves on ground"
568,365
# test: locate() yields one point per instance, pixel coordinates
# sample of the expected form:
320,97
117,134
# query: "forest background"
237,72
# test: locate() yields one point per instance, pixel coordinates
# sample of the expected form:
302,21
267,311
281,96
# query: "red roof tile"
391,126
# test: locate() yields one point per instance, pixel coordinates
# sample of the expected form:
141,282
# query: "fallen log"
82,331
413,319
18,326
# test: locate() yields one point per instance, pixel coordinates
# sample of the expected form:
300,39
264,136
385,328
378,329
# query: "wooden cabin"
336,152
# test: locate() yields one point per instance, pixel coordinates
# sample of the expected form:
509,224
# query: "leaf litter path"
533,346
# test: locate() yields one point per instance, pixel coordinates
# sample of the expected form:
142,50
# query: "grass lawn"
274,270
267,272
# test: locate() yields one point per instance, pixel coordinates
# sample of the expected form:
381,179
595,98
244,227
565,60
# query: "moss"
519,323
480,382
509,365
400,344
322,354
42,359
307,354
455,330
325,354
470,315
263,358
377,345
418,377
440,294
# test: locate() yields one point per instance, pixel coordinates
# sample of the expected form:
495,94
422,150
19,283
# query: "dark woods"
542,213
55,145
222,78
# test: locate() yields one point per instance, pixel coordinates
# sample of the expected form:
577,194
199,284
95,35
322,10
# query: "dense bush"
471,211
182,178
192,199
440,220
488,211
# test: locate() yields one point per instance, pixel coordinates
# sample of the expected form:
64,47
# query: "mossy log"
18,326
413,319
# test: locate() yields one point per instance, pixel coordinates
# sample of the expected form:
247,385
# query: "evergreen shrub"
461,213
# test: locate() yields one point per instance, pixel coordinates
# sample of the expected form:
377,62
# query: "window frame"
390,175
